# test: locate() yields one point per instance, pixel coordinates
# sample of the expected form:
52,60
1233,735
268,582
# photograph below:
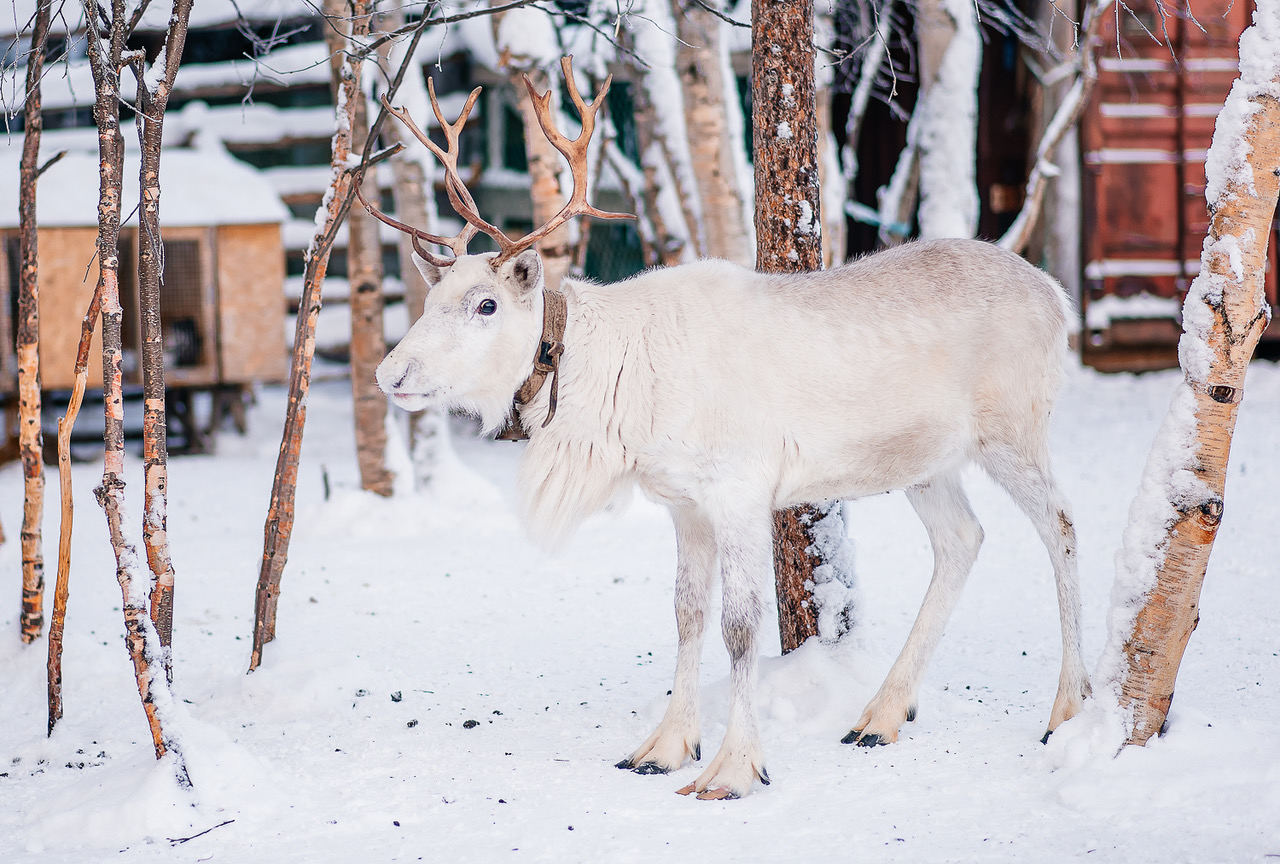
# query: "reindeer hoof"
625,765
1045,738
718,794
868,740
685,790
650,768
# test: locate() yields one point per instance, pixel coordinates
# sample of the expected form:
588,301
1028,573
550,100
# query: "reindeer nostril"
391,374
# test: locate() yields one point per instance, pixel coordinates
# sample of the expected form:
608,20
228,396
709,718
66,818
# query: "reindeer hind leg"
1024,473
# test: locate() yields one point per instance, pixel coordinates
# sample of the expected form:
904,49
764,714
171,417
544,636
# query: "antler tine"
452,131
458,242
574,150
459,196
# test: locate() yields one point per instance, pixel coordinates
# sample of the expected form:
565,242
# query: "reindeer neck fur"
585,457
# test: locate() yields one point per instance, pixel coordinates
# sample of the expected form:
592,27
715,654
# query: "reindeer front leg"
746,566
678,736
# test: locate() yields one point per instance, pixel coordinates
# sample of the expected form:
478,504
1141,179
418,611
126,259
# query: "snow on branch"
1179,505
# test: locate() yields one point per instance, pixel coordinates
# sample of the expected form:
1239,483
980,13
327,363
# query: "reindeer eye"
487,307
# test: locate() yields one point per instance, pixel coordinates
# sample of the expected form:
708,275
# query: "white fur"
727,394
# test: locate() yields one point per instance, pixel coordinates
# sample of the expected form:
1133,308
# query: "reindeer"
726,394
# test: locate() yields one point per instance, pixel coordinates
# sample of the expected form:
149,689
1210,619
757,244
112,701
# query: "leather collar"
547,362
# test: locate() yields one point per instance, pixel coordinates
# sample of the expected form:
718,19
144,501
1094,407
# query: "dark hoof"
911,714
697,751
764,776
625,765
856,737
649,768
1045,739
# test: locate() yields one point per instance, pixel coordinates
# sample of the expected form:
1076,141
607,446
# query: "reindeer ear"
524,272
429,271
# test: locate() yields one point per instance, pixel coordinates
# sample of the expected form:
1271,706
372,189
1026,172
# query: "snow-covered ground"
404,621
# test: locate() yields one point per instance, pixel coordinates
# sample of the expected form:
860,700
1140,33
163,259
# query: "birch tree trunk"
30,441
107,58
711,147
278,529
670,236
155,455
950,57
522,37
1071,101
556,248
1175,517
413,172
788,240
364,265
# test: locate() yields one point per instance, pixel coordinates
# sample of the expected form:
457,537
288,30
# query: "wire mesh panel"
613,252
182,301
187,314
9,259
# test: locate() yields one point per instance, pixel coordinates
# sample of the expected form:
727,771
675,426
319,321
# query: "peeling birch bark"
155,453
280,512
30,440
698,61
106,58
1224,316
364,274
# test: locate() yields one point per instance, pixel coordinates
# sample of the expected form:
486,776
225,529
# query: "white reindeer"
726,394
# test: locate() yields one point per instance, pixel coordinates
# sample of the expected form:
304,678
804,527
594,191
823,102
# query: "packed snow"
440,690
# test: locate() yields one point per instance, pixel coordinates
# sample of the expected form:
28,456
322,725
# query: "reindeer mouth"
413,401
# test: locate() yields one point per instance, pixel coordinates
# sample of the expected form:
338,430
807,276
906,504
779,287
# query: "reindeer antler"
460,198
458,242
574,150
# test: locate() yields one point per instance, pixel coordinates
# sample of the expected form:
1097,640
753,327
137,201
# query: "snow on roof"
204,186
206,13
71,84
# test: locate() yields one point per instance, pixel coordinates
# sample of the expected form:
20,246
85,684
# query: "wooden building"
222,297
1145,137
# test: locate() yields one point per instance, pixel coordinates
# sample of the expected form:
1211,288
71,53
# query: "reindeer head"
481,325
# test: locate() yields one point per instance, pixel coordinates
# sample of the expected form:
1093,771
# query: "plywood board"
251,313
65,291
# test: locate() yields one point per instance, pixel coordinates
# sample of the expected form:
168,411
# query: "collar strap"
550,347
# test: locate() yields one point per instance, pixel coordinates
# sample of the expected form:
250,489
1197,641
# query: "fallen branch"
178,841
63,587
1064,119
